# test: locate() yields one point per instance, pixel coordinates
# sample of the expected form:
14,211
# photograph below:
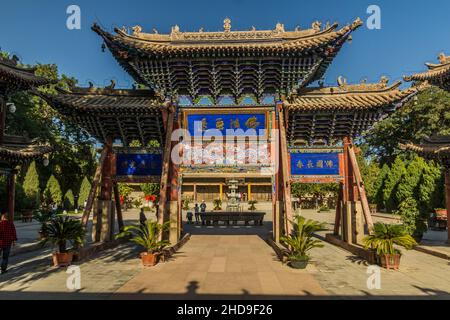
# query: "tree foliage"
73,156
397,171
69,200
85,189
31,186
150,189
52,192
427,114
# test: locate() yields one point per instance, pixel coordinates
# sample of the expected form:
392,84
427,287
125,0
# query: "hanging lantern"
11,107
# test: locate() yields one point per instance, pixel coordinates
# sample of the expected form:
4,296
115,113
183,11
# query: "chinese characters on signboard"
315,164
200,124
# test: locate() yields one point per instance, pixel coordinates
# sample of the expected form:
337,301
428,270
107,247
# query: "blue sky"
413,32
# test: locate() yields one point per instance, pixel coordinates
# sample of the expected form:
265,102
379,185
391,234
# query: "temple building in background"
15,150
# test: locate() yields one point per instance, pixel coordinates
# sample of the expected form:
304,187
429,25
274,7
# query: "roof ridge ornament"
279,28
227,25
137,30
317,26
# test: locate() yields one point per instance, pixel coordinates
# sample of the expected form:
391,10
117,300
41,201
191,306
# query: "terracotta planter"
149,259
390,261
299,263
62,259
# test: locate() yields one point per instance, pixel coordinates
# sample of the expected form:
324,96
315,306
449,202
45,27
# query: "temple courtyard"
225,263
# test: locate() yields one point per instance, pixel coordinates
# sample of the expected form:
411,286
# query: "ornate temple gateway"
15,150
210,82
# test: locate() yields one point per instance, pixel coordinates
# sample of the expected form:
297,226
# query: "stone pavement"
225,263
213,266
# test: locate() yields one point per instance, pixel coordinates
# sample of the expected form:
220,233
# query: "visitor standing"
203,206
142,217
197,213
189,216
8,237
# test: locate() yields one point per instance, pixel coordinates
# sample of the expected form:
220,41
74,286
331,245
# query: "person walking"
197,213
8,238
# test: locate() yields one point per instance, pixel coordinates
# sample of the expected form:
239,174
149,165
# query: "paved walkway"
225,263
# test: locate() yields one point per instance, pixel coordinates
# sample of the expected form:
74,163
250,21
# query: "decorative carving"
227,25
175,29
155,31
201,30
112,85
443,58
342,82
137,30
317,26
279,28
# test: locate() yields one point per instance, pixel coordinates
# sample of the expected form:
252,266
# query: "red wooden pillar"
447,198
107,183
11,185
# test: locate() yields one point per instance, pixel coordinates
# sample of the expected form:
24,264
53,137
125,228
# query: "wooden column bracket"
95,184
285,170
360,187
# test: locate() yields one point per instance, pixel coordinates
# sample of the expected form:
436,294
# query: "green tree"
69,200
413,221
408,186
379,186
74,155
52,192
150,189
427,114
396,173
31,186
430,190
85,189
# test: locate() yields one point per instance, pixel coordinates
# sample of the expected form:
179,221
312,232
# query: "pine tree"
430,192
69,200
52,191
31,186
380,185
85,189
396,173
408,186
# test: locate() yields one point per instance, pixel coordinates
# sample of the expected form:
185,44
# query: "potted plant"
61,231
43,216
252,204
383,239
217,205
301,241
147,236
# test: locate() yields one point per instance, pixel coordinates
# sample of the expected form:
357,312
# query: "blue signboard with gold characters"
199,124
138,165
315,164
